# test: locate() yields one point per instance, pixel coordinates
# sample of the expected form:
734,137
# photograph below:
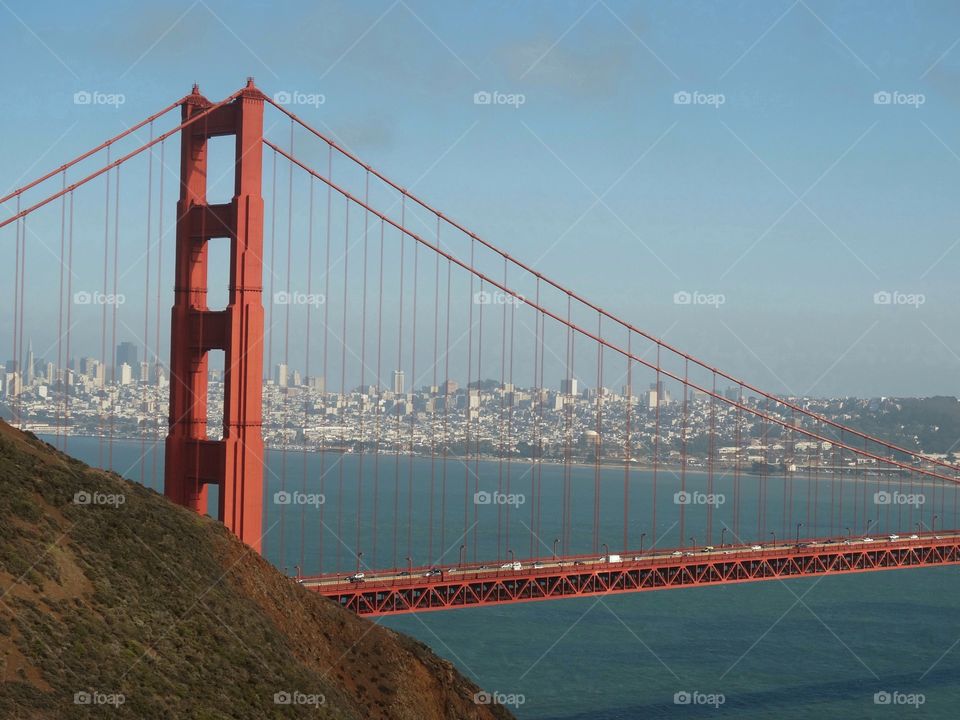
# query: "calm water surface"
805,648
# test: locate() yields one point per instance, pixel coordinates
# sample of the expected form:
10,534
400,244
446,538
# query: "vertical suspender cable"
306,368
116,305
363,363
156,359
146,312
342,400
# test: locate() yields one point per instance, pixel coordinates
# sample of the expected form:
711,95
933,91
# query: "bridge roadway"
420,589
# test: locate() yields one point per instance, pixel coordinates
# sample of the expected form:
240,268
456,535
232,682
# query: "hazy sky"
786,184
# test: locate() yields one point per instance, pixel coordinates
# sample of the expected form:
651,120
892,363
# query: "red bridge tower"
192,462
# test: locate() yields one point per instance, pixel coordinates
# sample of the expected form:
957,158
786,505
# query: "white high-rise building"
280,376
126,374
398,382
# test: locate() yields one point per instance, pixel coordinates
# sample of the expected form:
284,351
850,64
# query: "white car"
756,547
677,553
914,537
894,537
868,540
358,577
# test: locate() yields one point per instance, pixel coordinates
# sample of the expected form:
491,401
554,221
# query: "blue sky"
798,198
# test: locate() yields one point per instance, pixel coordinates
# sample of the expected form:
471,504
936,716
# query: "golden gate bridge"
416,494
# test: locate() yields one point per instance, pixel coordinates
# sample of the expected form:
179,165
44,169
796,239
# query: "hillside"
127,597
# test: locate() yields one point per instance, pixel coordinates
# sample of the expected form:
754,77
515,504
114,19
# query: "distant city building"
12,386
398,382
568,386
651,399
450,387
29,368
126,374
126,353
280,375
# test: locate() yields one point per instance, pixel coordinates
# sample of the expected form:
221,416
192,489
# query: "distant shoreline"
721,472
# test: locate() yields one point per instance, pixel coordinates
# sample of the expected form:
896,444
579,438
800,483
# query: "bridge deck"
444,588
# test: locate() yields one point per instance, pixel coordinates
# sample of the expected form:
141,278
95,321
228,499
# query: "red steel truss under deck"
450,588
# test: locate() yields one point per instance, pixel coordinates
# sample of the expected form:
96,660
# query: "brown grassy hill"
144,599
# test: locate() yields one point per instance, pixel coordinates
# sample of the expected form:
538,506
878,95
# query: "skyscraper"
280,376
29,369
127,354
398,382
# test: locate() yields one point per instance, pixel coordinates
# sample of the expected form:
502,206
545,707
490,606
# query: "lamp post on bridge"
933,524
359,557
693,541
774,534
849,534
460,561
510,553
556,541
799,525
606,549
409,565
723,531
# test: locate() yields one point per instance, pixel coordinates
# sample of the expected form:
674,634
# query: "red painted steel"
193,462
453,589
